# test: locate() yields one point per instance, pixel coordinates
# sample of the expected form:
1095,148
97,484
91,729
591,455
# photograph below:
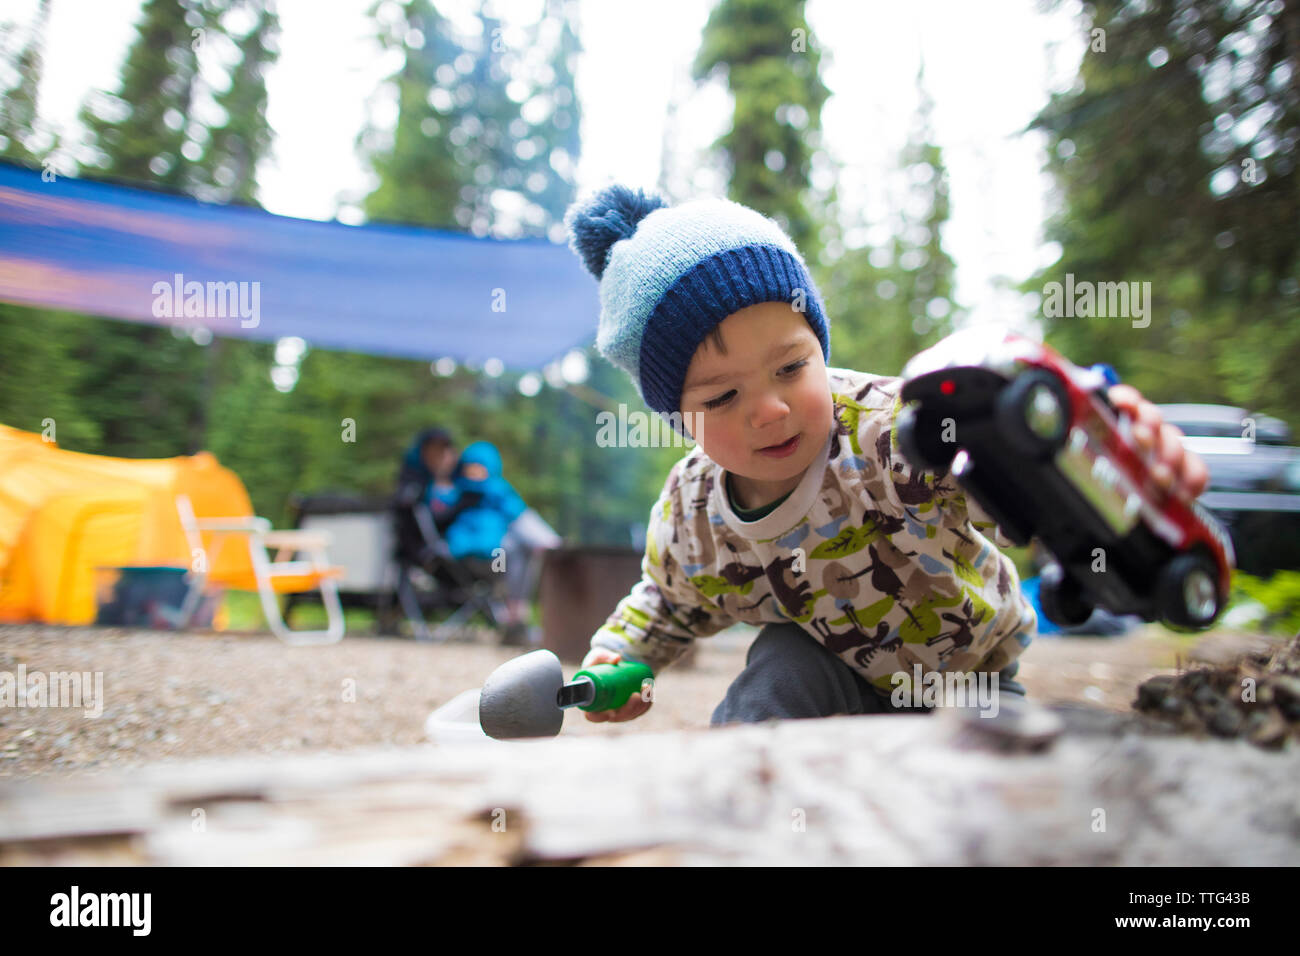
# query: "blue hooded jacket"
478,530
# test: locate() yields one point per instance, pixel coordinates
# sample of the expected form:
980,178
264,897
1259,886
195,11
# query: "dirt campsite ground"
173,696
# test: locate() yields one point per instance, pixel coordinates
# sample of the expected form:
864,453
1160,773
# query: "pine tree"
486,141
1175,154
890,302
553,117
145,141
19,132
39,373
419,179
771,62
150,386
227,168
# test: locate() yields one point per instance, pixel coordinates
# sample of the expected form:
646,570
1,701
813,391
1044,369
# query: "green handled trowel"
527,697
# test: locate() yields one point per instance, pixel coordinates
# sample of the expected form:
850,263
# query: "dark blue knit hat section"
706,294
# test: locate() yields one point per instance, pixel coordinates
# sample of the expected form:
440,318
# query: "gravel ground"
181,696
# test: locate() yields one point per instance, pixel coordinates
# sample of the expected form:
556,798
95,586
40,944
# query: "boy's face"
760,407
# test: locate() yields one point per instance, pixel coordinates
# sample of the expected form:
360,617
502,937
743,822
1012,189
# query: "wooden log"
895,790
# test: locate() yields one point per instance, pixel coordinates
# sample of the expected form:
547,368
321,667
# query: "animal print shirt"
886,566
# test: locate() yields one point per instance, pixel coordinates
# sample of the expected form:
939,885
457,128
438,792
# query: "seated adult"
425,492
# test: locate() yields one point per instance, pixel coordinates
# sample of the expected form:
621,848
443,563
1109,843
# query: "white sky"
988,68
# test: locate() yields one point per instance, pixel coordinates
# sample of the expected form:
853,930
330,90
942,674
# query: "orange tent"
64,513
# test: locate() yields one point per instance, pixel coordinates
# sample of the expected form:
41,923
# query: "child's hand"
636,704
1177,469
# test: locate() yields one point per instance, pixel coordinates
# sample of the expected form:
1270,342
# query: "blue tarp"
144,256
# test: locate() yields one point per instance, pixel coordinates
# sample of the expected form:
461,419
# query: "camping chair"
361,540
392,566
270,578
428,574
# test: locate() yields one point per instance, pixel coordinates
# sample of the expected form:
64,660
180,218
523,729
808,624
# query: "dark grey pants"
788,674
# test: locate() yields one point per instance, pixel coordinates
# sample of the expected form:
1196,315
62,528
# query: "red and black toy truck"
1034,439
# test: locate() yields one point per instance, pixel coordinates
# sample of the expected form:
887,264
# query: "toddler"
795,511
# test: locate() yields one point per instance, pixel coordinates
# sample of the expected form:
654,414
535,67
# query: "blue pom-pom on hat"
610,215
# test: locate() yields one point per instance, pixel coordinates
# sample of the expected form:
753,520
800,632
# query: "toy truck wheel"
1062,598
920,440
1033,413
1186,591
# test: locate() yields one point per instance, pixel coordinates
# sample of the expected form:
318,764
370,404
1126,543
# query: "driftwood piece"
849,790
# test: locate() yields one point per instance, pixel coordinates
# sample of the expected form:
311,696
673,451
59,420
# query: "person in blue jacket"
488,526
479,528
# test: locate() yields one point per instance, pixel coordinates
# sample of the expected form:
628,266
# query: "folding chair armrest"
250,524
297,540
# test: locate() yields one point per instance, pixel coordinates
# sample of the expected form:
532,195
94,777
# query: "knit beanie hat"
669,275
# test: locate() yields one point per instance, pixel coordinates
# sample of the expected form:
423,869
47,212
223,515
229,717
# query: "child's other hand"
635,706
1176,469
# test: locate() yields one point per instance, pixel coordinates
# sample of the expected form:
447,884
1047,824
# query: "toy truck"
1035,440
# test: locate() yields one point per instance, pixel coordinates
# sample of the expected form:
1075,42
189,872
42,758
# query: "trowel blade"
519,698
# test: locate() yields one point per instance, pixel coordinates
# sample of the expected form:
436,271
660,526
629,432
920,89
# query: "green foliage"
144,141
475,124
42,375
343,428
149,130
888,303
227,168
885,304
419,179
112,388
131,389
1279,594
243,612
18,120
772,65
1175,154
139,381
461,141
